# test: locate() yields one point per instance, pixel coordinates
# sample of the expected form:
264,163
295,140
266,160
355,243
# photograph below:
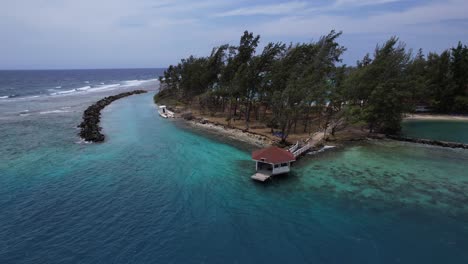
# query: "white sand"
435,117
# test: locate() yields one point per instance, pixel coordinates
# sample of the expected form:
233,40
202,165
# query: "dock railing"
294,147
300,151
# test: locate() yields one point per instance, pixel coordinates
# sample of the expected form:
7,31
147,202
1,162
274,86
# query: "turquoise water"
455,131
154,193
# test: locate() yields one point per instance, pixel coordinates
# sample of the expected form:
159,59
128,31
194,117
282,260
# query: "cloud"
362,2
126,33
273,9
418,19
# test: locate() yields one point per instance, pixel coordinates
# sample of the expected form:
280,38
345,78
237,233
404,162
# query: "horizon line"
78,69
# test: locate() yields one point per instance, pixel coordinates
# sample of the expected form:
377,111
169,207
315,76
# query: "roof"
273,155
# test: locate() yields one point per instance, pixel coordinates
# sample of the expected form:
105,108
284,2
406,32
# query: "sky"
63,34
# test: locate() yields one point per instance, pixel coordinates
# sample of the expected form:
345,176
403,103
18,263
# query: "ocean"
35,83
158,192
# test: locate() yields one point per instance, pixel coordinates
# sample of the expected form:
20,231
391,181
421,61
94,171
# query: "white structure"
271,161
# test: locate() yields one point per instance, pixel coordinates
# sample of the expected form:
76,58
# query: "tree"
380,87
440,82
417,80
460,77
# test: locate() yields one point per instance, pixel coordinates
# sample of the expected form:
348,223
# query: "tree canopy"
304,81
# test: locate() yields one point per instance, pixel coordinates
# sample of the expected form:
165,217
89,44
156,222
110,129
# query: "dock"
261,176
273,161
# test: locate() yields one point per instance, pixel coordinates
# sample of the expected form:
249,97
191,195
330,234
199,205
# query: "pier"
274,161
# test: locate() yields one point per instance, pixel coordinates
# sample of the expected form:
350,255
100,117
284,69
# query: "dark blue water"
156,192
21,83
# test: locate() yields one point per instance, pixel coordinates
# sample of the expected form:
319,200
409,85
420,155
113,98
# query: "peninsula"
286,93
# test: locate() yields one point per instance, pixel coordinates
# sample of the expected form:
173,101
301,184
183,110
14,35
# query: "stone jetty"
439,143
90,129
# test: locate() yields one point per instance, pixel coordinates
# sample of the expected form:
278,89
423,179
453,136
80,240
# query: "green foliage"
461,104
297,81
380,87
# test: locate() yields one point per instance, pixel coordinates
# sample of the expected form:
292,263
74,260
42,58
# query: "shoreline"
90,130
234,134
243,139
260,140
438,117
255,140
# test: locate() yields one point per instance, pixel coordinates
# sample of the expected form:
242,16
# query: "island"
286,94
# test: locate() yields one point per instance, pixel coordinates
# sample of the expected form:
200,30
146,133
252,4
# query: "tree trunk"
257,112
230,112
307,121
235,107
265,112
247,114
224,104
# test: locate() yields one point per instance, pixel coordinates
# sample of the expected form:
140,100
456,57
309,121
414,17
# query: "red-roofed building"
271,161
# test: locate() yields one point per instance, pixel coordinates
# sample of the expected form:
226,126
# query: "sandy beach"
435,117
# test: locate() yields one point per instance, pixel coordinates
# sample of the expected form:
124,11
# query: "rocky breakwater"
444,144
90,129
432,142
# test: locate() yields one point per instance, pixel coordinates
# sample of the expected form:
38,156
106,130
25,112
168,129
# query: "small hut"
271,161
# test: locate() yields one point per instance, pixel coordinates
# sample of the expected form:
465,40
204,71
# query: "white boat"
162,110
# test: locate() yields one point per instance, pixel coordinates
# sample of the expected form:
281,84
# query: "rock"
90,129
187,116
429,142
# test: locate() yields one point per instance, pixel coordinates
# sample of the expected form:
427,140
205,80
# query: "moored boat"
164,112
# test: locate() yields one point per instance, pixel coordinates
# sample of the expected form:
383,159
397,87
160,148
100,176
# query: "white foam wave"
84,88
105,87
64,92
89,88
133,82
29,97
24,113
15,98
53,112
83,141
137,82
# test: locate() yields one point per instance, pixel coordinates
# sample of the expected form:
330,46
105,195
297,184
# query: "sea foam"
53,112
64,92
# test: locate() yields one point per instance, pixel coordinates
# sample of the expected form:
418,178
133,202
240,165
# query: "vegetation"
295,85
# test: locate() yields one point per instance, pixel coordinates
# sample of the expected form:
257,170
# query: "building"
271,161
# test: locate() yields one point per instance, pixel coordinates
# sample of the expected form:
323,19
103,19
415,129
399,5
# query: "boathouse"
271,161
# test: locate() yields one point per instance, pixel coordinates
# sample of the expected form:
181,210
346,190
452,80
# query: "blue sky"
50,34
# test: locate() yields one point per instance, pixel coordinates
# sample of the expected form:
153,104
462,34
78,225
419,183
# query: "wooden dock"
261,176
298,150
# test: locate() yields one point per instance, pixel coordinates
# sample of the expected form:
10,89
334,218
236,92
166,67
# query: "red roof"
273,155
